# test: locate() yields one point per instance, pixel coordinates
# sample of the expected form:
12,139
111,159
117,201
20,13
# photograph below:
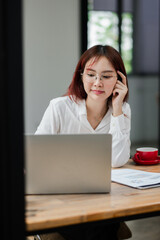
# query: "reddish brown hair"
76,88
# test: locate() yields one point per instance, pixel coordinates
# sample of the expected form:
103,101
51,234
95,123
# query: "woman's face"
99,78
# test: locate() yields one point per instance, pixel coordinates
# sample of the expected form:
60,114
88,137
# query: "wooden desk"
51,211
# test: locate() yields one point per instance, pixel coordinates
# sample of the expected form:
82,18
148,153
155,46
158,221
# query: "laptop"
66,164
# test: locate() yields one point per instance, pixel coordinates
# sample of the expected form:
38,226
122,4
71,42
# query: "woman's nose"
98,81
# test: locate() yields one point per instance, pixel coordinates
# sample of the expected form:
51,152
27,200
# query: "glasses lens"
107,77
92,77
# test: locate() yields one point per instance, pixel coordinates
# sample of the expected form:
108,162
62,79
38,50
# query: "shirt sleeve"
50,121
120,129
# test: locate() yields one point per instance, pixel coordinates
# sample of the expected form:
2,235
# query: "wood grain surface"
50,211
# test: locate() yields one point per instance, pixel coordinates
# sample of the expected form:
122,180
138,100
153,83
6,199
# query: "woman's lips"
98,92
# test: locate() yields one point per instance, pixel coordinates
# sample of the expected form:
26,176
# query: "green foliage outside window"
103,29
127,41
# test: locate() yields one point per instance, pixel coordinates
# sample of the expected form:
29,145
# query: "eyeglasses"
92,77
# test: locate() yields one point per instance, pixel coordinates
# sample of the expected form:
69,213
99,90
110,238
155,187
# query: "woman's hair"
76,88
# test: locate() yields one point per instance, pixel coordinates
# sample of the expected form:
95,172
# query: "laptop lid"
58,164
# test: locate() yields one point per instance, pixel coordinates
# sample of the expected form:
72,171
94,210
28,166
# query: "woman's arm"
120,129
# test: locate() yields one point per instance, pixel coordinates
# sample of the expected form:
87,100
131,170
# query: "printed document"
136,178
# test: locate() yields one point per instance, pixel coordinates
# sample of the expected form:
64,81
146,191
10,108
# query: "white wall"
51,51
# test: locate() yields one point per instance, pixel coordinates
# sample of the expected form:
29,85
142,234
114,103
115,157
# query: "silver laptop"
59,164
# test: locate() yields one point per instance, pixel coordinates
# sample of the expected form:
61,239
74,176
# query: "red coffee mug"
146,153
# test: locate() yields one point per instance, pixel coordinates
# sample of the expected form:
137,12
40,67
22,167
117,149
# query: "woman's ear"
81,76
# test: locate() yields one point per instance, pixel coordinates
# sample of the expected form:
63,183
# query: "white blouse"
65,116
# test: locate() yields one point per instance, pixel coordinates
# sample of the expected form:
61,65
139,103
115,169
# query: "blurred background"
57,32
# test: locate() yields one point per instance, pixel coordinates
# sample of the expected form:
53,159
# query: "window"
103,29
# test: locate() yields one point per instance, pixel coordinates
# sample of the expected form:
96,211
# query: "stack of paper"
136,178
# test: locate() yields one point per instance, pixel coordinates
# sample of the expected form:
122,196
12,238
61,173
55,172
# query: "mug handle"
137,156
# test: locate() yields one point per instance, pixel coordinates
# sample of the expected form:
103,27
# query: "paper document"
136,178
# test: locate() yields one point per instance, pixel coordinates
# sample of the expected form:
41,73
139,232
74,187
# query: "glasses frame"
96,77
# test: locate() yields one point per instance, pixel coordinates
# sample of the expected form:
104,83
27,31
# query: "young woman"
95,102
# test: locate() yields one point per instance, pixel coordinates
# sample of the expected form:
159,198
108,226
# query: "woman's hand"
119,92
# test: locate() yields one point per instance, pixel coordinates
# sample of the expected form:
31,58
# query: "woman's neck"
95,111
